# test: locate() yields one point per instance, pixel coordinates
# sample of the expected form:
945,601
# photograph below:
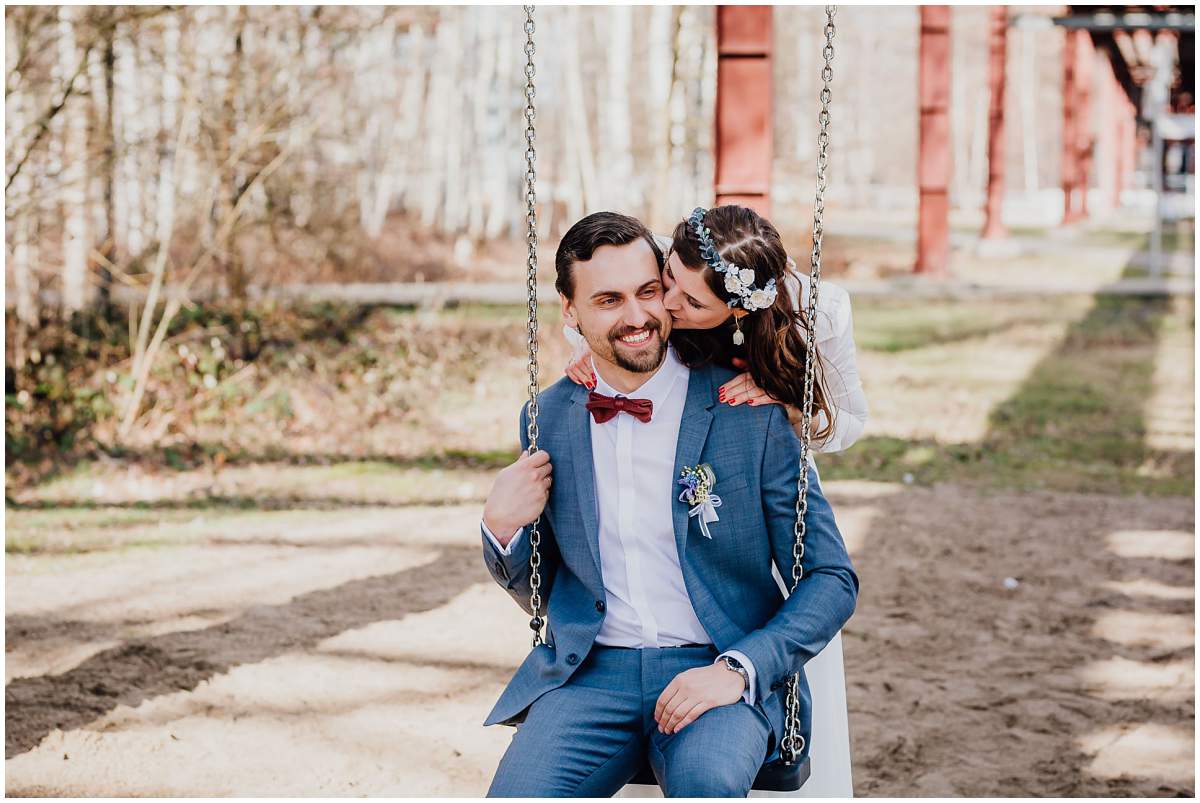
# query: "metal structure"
743,143
993,227
1150,51
933,157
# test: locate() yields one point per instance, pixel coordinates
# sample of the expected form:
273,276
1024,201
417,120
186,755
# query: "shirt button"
572,659
600,605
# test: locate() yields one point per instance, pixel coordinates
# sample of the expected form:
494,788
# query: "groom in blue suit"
668,637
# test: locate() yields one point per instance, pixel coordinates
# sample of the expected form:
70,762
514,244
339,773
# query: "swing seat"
774,776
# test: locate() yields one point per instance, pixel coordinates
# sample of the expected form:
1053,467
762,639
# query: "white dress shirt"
647,603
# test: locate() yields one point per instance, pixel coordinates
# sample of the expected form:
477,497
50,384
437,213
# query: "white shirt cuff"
748,694
501,549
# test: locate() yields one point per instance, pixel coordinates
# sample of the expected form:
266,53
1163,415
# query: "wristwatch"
734,666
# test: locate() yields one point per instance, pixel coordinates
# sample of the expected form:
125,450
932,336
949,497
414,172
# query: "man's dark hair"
588,234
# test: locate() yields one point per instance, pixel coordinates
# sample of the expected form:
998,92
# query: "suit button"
572,659
600,605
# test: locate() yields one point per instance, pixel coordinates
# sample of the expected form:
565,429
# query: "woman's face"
689,299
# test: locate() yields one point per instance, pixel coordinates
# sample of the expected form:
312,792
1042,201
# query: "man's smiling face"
618,306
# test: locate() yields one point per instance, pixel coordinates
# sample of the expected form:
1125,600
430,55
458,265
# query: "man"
645,603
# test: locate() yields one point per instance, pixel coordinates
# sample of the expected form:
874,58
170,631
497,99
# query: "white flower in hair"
761,299
747,276
733,283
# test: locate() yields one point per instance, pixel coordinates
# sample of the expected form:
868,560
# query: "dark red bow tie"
603,407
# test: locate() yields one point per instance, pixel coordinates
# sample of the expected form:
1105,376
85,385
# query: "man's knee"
714,778
720,758
516,781
528,768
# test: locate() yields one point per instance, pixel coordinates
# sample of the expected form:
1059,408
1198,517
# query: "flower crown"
739,282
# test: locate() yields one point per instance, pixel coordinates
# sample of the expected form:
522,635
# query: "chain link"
531,289
793,741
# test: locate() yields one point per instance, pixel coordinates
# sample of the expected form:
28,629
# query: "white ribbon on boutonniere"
698,482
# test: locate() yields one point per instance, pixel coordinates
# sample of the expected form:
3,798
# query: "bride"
711,322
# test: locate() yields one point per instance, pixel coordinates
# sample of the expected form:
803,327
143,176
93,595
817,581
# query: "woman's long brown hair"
775,348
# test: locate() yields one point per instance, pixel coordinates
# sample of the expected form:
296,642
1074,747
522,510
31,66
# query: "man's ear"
568,312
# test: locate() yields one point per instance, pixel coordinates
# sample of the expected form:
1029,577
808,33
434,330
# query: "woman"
736,298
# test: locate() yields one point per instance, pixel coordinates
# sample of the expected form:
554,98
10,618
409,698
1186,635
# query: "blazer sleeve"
826,595
510,568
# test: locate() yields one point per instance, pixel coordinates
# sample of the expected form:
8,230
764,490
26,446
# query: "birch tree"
74,169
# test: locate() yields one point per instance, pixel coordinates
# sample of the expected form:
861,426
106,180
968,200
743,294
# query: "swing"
786,774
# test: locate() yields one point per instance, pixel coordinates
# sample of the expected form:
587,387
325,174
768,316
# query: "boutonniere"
698,482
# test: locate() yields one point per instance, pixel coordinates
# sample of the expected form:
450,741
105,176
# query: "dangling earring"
738,337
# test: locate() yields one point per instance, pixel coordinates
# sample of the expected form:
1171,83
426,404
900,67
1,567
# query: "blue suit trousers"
589,736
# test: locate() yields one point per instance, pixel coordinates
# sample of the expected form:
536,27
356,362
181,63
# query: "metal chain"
793,741
531,264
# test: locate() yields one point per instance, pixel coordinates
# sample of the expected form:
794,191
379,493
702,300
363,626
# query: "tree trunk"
236,280
108,166
74,173
580,139
618,144
663,62
127,191
22,211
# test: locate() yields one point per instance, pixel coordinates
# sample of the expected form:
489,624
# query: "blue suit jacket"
755,455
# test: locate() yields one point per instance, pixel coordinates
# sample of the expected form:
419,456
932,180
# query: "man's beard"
643,361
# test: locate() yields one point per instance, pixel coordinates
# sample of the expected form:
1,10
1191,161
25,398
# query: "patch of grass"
927,462
81,530
1175,238
894,326
1077,422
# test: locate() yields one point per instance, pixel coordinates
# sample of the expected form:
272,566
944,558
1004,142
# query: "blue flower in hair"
744,293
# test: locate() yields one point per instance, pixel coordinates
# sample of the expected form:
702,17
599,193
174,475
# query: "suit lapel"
693,432
584,468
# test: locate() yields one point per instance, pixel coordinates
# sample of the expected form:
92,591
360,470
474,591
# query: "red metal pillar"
1077,142
1112,132
1084,139
1069,166
1127,148
744,115
933,158
993,227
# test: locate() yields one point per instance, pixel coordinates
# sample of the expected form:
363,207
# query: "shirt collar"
657,388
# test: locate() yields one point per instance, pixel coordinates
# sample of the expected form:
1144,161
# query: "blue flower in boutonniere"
698,482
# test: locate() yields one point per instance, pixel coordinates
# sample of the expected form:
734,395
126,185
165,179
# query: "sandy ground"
357,652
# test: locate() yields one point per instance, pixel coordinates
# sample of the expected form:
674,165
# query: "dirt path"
356,652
